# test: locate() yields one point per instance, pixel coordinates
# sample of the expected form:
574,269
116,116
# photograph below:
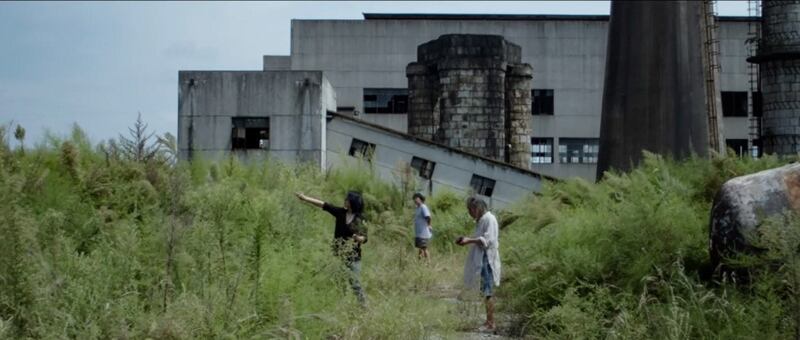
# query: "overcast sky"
98,64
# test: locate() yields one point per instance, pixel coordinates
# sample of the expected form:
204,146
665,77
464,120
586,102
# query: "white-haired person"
482,267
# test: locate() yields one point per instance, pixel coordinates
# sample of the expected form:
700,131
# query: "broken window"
345,109
424,167
755,150
482,185
738,145
542,102
385,100
578,150
250,133
362,149
758,105
734,103
541,150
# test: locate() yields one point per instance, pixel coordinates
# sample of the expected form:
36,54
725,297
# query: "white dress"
487,231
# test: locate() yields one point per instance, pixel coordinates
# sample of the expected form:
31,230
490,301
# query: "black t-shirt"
343,243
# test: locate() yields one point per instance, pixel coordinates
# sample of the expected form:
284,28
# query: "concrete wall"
277,63
567,56
733,75
398,122
296,103
453,170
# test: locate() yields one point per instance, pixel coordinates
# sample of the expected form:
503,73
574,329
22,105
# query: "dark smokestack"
654,94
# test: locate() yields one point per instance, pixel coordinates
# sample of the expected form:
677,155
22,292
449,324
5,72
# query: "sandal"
487,328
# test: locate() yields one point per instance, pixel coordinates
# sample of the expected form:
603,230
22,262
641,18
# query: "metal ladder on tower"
713,69
753,37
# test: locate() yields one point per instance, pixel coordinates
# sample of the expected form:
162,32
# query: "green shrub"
623,258
97,244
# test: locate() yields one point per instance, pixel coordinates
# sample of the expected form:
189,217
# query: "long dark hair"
356,203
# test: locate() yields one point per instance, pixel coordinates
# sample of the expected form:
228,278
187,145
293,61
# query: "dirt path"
470,309
459,313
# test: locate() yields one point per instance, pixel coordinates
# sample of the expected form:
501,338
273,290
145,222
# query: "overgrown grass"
97,243
627,258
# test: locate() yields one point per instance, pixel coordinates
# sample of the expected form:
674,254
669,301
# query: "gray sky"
99,63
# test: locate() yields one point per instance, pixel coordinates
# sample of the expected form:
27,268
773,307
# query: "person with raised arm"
348,235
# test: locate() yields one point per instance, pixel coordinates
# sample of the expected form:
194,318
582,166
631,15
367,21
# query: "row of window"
366,150
395,101
570,150
253,133
585,150
385,101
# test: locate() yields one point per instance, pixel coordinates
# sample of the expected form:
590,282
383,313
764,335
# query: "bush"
98,243
624,258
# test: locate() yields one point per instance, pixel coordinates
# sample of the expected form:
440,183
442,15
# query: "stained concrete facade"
453,170
294,103
471,92
567,53
303,127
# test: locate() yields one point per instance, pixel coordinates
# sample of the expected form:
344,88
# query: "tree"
19,135
168,145
138,147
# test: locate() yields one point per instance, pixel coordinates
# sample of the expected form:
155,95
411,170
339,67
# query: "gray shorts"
421,243
487,277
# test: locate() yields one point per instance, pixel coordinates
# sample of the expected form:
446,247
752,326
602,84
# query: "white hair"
477,204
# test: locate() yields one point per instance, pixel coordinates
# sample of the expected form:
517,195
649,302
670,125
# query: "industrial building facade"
290,116
366,63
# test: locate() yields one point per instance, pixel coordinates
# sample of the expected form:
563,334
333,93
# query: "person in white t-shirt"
422,226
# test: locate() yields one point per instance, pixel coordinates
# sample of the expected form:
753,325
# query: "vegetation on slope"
627,258
117,240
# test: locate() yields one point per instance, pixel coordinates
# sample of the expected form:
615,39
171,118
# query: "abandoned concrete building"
290,116
377,88
366,60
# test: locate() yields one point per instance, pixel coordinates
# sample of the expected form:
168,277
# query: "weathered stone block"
743,203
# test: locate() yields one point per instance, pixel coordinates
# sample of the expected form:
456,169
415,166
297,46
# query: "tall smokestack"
654,95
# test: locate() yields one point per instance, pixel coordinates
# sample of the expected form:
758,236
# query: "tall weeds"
116,240
626,258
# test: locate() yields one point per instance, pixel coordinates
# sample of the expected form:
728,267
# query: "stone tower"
472,92
779,67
